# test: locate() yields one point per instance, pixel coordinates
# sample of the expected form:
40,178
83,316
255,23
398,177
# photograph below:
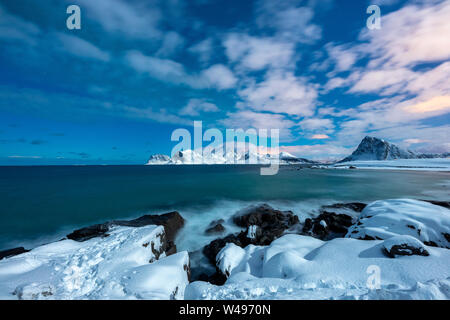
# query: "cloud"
196,106
80,48
16,28
24,157
317,124
217,76
329,151
441,103
255,53
257,120
281,92
414,34
172,42
288,20
122,17
161,69
38,142
203,50
320,136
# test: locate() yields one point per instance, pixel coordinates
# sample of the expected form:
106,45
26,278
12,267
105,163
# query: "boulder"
12,252
216,229
271,224
353,206
404,246
172,222
327,225
385,219
266,217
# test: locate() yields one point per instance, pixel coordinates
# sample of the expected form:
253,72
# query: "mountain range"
370,148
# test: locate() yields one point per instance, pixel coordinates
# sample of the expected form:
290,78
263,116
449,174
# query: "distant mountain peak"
373,148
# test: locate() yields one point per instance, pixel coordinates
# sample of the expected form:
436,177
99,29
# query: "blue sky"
113,92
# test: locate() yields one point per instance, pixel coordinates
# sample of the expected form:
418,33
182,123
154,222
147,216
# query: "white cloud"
218,76
162,69
80,47
254,53
411,35
196,106
172,42
203,50
119,16
289,21
166,70
320,137
281,92
317,124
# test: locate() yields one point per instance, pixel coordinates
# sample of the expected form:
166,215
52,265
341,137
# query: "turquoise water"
41,204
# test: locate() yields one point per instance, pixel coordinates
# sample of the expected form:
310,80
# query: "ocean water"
42,204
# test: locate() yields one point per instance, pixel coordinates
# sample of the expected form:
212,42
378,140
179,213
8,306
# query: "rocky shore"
399,227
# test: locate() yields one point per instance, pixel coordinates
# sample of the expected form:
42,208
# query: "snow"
400,164
404,241
301,267
239,156
387,218
337,269
100,268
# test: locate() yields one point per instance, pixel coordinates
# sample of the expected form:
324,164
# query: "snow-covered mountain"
372,148
234,157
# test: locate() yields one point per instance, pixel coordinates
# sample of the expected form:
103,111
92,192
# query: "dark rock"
12,252
271,224
216,222
336,225
352,167
445,204
83,234
218,228
265,216
212,249
355,206
172,222
405,250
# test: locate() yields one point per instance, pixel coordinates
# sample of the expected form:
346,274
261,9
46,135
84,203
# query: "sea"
41,204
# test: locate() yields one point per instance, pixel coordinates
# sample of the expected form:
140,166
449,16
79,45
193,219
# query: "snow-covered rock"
301,267
99,268
387,218
404,246
161,280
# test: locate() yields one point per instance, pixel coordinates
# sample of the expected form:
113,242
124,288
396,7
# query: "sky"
113,91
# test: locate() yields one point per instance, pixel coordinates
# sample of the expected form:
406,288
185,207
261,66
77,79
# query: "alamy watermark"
73,22
240,146
374,280
374,20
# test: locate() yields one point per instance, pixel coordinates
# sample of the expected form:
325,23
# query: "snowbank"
299,267
387,218
302,267
112,267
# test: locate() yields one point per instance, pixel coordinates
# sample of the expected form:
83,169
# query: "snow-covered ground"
115,267
301,267
409,260
400,164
